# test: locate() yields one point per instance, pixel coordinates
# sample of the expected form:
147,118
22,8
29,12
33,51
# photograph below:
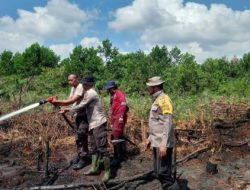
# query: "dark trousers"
119,148
163,167
82,135
117,133
99,140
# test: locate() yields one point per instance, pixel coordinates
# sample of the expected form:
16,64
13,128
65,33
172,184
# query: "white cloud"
59,19
90,42
63,49
215,31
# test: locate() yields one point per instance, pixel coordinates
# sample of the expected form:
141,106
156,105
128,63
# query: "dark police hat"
88,80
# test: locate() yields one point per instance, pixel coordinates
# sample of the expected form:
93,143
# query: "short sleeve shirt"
77,91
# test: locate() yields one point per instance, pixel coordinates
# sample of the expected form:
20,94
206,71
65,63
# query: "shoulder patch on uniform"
165,104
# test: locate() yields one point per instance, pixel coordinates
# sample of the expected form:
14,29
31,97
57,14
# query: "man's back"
95,112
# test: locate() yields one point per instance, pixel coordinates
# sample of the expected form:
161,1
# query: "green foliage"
159,59
136,74
245,62
51,81
237,87
183,105
35,58
19,71
139,106
187,74
13,87
6,63
35,74
83,61
108,52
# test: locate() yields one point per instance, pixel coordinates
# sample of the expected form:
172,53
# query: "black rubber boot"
119,154
81,164
175,186
122,151
115,161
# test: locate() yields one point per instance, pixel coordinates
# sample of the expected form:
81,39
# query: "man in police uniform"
161,132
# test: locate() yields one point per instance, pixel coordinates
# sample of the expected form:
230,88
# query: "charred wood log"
39,157
192,155
220,124
117,186
140,177
144,176
236,144
188,130
199,141
46,158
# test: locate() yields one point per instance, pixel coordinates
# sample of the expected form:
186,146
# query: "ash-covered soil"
224,143
233,170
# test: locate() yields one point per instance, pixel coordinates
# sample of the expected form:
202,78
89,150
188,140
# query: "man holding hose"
91,102
75,97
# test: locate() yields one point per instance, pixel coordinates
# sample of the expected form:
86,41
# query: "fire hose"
68,122
32,106
22,110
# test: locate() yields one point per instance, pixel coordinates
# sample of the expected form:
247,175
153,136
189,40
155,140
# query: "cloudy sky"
204,28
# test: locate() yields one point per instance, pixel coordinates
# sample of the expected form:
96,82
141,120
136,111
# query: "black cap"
88,80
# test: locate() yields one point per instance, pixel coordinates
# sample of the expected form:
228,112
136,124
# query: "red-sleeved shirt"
118,105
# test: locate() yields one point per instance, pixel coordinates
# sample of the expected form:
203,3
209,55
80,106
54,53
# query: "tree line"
39,70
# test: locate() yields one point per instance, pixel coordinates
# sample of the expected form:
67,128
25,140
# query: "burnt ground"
227,144
233,170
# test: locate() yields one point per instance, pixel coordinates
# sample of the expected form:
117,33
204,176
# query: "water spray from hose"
25,109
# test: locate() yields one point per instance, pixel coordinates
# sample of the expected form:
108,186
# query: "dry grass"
28,132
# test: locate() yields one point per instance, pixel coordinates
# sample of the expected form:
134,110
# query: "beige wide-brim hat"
155,81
